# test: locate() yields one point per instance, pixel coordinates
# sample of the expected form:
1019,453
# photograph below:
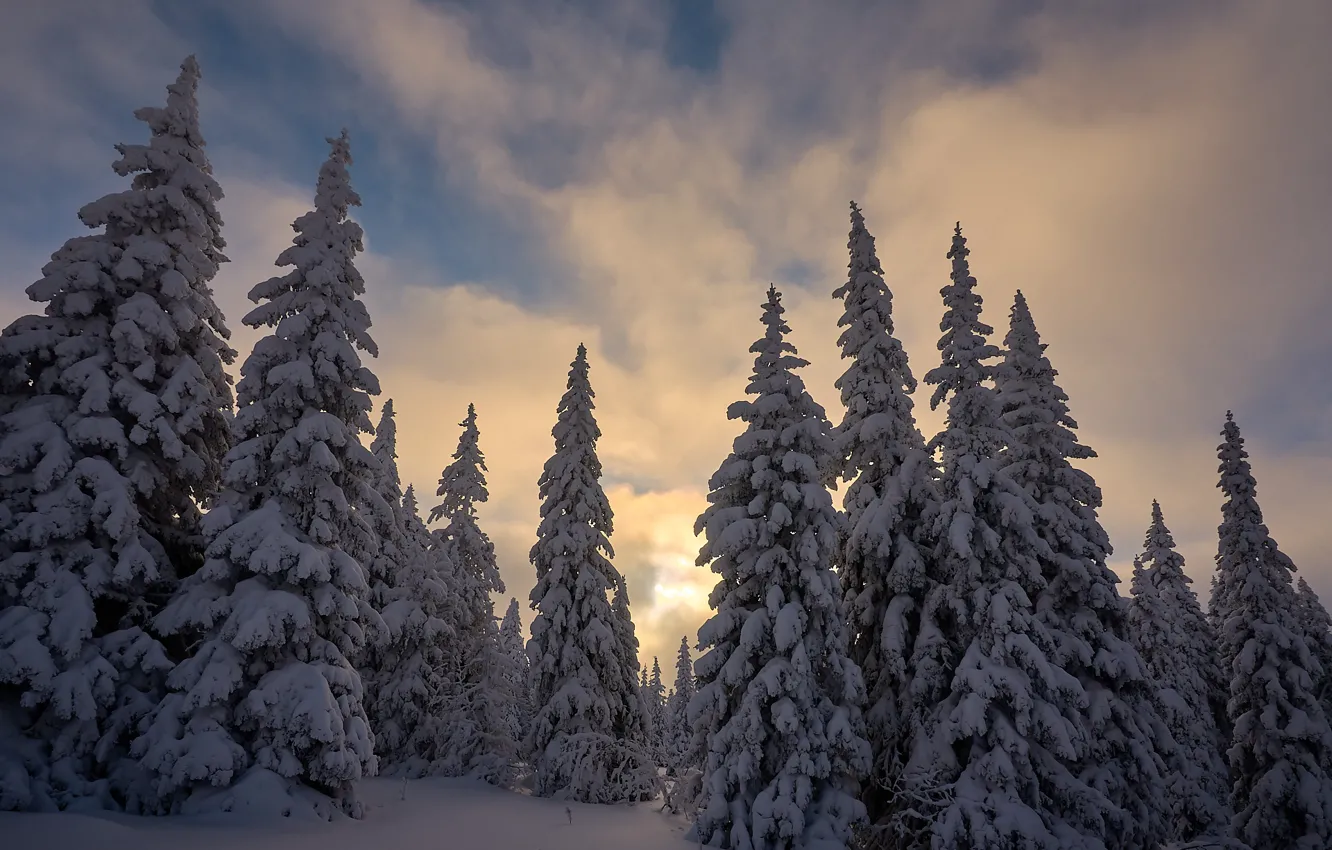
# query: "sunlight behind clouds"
1153,191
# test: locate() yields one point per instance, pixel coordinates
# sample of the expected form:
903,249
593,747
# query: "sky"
1155,177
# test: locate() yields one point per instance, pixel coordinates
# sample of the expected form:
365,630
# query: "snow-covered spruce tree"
889,503
1081,611
1001,722
777,710
113,424
586,740
479,743
1280,740
1317,628
514,646
657,706
1178,646
404,667
280,604
676,713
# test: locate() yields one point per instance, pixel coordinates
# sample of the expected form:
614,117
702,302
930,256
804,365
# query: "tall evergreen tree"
777,710
1280,740
587,732
1081,611
480,742
889,504
679,731
281,603
1179,647
113,424
1005,722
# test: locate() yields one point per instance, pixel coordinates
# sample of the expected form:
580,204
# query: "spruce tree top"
463,482
684,671
1243,537
571,479
304,394
385,449
973,409
130,320
876,386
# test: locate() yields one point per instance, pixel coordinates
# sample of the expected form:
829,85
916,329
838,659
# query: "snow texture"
583,667
1280,740
114,410
777,712
425,813
1078,607
890,501
1178,645
280,606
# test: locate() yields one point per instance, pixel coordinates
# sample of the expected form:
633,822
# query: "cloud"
1155,180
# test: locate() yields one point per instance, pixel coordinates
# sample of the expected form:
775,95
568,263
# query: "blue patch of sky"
696,36
283,98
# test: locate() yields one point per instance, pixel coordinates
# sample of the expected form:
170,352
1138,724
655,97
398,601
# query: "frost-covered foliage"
1317,628
1002,722
676,713
890,500
113,425
584,682
1280,740
514,646
1078,608
1178,646
593,768
406,667
479,742
281,605
777,712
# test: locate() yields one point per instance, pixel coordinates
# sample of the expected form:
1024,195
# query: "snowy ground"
448,814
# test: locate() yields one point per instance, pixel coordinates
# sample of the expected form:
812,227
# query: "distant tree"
678,730
1282,795
404,670
480,742
114,407
282,603
587,732
1179,647
514,645
777,711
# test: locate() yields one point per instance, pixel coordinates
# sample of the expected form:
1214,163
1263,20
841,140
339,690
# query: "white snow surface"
458,814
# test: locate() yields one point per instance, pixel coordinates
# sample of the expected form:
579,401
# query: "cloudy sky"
1157,179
